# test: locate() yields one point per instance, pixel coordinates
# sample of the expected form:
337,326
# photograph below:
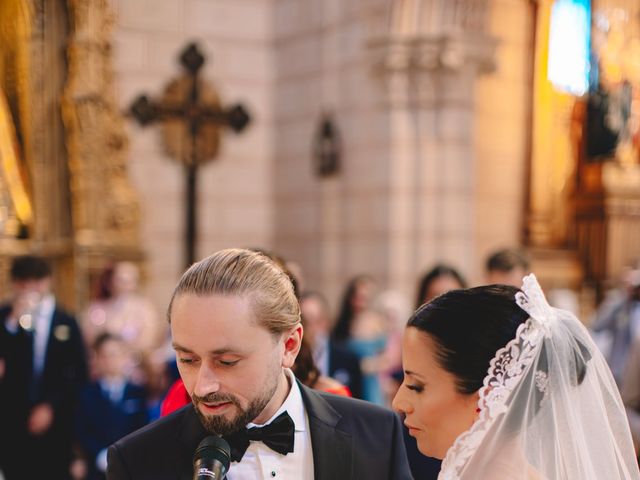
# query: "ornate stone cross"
191,116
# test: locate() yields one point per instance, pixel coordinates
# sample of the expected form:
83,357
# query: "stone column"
430,63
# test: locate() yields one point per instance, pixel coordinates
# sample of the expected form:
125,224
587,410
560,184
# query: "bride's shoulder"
534,474
513,466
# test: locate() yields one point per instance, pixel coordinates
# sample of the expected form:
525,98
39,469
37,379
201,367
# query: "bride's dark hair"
469,326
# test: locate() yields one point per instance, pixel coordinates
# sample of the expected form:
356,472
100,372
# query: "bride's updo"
469,326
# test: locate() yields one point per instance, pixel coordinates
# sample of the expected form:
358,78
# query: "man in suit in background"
332,360
44,366
235,323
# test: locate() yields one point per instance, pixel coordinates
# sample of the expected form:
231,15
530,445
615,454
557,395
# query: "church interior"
381,137
377,138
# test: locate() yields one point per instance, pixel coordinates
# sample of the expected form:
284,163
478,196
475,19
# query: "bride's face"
436,413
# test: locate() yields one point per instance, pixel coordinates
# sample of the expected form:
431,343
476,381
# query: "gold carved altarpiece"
606,201
578,204
71,141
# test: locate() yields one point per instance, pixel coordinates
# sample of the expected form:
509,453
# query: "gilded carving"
85,212
16,202
105,207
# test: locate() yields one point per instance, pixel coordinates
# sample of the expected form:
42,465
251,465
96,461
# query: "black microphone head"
214,448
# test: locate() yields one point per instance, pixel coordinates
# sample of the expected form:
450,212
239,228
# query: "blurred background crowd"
70,387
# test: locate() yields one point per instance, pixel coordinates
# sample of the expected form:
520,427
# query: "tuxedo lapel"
57,331
56,324
190,435
332,447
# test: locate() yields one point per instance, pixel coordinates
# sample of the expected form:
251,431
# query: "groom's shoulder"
154,451
359,411
340,402
165,427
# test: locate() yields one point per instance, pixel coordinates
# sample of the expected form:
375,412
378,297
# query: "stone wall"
434,152
335,227
443,181
501,119
235,192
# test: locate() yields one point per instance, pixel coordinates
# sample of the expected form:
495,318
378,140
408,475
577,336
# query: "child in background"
111,407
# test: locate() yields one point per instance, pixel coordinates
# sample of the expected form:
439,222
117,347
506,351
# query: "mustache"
215,397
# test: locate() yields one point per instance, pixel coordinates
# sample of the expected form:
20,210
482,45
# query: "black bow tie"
278,436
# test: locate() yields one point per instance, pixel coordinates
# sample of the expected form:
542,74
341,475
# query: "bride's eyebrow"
413,374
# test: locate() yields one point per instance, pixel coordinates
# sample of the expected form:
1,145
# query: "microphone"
212,458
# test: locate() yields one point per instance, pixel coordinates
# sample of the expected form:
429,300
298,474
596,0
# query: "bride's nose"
400,403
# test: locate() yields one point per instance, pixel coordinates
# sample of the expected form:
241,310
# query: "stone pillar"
429,68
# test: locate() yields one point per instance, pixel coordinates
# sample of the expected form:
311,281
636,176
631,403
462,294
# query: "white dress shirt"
41,331
39,324
260,462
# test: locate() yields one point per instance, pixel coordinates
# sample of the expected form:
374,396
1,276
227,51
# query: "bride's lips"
214,408
411,428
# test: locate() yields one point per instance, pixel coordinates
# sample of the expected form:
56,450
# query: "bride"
503,386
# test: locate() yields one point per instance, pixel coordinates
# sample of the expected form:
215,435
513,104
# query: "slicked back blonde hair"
249,274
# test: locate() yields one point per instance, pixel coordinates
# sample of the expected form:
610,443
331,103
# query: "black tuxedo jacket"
351,439
64,372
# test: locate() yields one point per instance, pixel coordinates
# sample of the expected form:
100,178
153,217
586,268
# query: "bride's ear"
473,403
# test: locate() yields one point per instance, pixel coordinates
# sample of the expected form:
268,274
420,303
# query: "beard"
218,424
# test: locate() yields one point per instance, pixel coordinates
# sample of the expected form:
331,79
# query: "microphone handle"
208,469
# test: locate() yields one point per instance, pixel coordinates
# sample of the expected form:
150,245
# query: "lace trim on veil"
506,369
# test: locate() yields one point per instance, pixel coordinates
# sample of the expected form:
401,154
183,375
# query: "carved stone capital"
427,69
452,52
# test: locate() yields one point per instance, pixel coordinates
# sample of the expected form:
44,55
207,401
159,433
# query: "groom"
235,324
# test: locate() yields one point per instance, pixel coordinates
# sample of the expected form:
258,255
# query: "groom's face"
231,366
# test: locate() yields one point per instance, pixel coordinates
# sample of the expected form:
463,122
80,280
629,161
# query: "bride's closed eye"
415,388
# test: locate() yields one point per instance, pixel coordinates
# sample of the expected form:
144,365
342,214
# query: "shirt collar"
47,305
293,405
111,384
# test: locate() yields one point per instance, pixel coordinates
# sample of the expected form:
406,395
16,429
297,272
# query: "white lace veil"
549,407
